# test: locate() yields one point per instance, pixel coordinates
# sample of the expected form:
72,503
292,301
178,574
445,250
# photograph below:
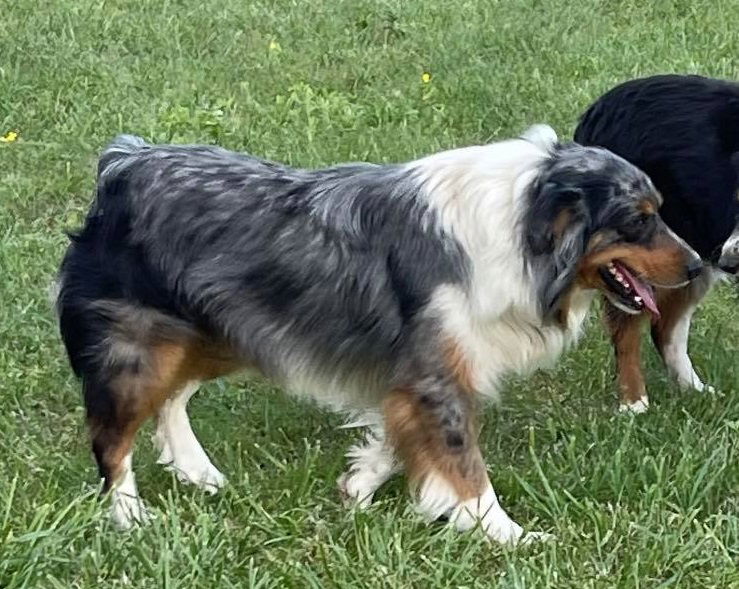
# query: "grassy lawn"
634,502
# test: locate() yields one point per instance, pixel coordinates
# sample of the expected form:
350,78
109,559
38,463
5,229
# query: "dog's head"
592,223
729,260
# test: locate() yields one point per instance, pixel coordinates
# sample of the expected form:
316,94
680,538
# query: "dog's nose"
695,267
729,263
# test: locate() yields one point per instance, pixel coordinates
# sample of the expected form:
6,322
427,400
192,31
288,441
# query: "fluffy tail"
118,150
112,189
542,136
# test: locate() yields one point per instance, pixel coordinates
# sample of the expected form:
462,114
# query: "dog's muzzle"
729,260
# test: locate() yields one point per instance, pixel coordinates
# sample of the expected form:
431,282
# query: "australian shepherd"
683,131
400,292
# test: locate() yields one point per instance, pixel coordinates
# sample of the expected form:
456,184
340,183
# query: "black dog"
683,131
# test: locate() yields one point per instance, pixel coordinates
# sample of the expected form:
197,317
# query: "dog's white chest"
511,342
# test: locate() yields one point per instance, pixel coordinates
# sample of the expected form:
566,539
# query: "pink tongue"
640,289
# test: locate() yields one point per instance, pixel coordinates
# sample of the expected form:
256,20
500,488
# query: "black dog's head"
592,223
729,260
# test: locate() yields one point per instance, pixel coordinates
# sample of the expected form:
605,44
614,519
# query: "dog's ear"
556,234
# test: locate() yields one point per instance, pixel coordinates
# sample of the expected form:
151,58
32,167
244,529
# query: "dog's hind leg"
137,380
113,428
115,411
180,449
625,330
670,333
140,373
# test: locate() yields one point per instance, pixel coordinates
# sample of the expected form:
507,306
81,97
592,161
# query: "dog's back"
285,264
683,131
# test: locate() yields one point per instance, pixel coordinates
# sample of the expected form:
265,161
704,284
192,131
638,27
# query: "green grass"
634,502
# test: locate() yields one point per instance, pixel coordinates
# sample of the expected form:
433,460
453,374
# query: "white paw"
487,512
636,407
128,510
687,378
165,456
696,385
503,532
203,475
687,385
356,488
535,538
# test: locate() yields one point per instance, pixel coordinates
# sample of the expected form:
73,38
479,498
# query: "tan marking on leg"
139,394
625,332
419,442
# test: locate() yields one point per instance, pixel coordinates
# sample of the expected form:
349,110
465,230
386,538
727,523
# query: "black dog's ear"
557,232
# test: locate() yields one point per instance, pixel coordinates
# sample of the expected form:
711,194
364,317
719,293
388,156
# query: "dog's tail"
118,152
114,171
542,136
115,168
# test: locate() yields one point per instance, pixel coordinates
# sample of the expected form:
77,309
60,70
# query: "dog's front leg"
432,428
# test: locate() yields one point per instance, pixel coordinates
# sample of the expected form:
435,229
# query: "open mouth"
626,291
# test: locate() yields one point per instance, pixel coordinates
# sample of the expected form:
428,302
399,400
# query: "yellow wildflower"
9,137
425,77
274,46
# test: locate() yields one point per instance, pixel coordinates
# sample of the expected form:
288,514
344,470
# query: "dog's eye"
638,228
